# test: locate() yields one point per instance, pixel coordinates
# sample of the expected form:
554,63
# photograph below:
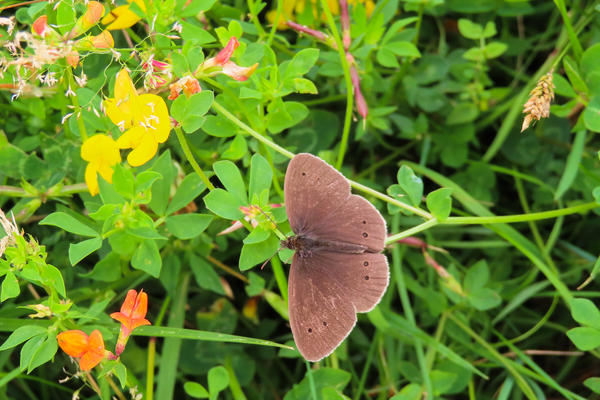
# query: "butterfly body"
337,269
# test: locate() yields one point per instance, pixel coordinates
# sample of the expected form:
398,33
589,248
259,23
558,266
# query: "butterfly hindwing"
326,290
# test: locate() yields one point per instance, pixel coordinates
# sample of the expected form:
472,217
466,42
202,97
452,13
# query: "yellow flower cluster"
144,119
297,7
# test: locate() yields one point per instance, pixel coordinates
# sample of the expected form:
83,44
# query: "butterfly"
338,269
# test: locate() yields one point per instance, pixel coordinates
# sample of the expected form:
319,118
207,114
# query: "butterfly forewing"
319,205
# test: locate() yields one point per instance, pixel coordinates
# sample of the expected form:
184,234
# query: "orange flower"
132,314
89,349
222,64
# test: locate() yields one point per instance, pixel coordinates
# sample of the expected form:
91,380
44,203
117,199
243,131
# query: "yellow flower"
144,118
101,152
296,7
123,17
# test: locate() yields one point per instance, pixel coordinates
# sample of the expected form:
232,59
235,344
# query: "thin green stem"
77,107
223,111
274,27
347,80
190,157
407,307
409,232
368,362
527,391
150,369
280,277
311,381
520,217
575,44
254,18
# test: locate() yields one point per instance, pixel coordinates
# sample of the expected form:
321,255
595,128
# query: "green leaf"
322,378
593,384
470,29
441,381
145,180
44,353
462,113
231,177
108,194
69,224
494,50
191,32
195,390
489,30
574,76
78,251
259,234
187,226
10,287
255,253
144,232
477,276
261,176
256,285
303,85
301,63
403,48
161,190
205,274
572,165
589,60
217,125
195,7
218,380
411,391
107,270
591,114
224,204
411,184
584,338
190,188
123,181
585,312
237,149
147,258
283,115
484,299
22,334
190,111
387,58
439,202
52,277
29,350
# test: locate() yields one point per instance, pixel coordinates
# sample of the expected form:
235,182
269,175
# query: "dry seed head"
538,105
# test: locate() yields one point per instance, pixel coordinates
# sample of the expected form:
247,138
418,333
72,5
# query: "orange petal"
74,342
141,306
90,360
129,302
122,318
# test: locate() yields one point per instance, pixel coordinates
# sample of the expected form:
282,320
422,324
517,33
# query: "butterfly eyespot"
304,174
365,234
324,323
309,330
364,222
366,277
366,263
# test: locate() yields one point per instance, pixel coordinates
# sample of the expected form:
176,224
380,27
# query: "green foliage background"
495,314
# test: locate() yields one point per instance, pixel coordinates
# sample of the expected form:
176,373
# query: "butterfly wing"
326,290
319,205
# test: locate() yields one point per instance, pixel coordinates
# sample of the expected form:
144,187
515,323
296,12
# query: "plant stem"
575,44
406,306
276,22
115,388
150,369
280,277
190,157
77,112
348,81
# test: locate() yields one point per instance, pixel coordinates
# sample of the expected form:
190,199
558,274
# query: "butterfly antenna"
277,231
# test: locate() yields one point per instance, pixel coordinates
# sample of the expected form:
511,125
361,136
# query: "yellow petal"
95,147
91,179
132,138
106,172
156,116
117,115
120,18
144,152
124,89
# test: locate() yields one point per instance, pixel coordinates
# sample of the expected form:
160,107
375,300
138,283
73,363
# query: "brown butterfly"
337,269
